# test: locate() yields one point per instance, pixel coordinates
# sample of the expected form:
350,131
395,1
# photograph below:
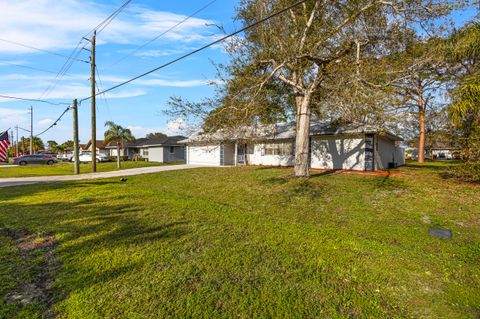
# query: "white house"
445,153
165,150
347,147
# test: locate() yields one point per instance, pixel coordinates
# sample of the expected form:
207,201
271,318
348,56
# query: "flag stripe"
4,144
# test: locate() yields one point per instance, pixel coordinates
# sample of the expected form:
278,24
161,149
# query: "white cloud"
140,131
45,122
176,127
48,24
71,91
12,117
157,53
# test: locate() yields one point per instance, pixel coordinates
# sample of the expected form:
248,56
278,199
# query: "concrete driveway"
15,181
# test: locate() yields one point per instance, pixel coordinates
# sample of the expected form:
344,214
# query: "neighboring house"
165,150
445,153
347,147
100,147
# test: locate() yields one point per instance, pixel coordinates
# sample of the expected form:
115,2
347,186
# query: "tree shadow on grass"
13,192
389,184
84,228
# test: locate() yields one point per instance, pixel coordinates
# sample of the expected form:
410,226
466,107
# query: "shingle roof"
145,142
287,131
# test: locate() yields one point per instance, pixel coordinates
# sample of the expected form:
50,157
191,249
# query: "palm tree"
119,135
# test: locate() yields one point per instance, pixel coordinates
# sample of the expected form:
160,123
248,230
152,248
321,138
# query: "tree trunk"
118,156
302,135
421,114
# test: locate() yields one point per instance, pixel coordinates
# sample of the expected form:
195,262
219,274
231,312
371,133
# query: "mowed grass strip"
67,168
252,242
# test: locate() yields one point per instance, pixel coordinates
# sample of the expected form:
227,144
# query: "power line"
163,33
201,49
27,67
33,48
54,123
99,89
110,18
73,57
31,100
63,70
76,52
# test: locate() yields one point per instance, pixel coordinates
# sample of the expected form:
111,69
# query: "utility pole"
31,130
94,116
16,142
76,145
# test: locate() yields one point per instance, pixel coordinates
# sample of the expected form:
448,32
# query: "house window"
250,149
145,152
172,149
279,148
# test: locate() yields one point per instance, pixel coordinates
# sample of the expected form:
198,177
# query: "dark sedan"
34,159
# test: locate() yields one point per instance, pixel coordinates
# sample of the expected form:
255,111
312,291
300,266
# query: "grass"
247,242
67,168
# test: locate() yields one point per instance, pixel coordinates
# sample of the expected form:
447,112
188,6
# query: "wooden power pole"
76,145
31,130
16,141
94,116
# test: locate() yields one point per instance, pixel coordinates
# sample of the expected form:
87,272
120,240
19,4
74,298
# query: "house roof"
99,144
145,142
288,131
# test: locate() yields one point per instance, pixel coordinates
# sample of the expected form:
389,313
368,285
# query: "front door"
241,148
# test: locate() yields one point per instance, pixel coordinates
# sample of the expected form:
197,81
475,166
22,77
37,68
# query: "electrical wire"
54,123
26,67
163,33
31,100
110,18
102,25
99,89
200,49
33,48
73,57
64,69
76,52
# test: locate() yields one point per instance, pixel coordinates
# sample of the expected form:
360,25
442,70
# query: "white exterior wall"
269,160
203,155
387,152
331,152
113,152
155,154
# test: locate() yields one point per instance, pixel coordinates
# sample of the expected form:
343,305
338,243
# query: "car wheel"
50,162
22,163
98,161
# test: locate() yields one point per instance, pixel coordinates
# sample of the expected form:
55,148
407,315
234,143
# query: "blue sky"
59,25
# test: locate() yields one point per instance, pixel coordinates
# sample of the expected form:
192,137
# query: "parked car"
48,154
34,159
65,156
85,157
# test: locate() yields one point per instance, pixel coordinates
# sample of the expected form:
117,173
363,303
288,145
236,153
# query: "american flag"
4,144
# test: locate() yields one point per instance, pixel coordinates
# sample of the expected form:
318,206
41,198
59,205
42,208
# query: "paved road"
15,181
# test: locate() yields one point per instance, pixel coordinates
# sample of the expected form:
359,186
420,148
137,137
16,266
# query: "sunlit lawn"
67,168
247,243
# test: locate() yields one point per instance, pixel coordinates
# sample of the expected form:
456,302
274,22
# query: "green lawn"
242,242
67,168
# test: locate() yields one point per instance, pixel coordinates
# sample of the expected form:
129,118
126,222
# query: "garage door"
204,155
